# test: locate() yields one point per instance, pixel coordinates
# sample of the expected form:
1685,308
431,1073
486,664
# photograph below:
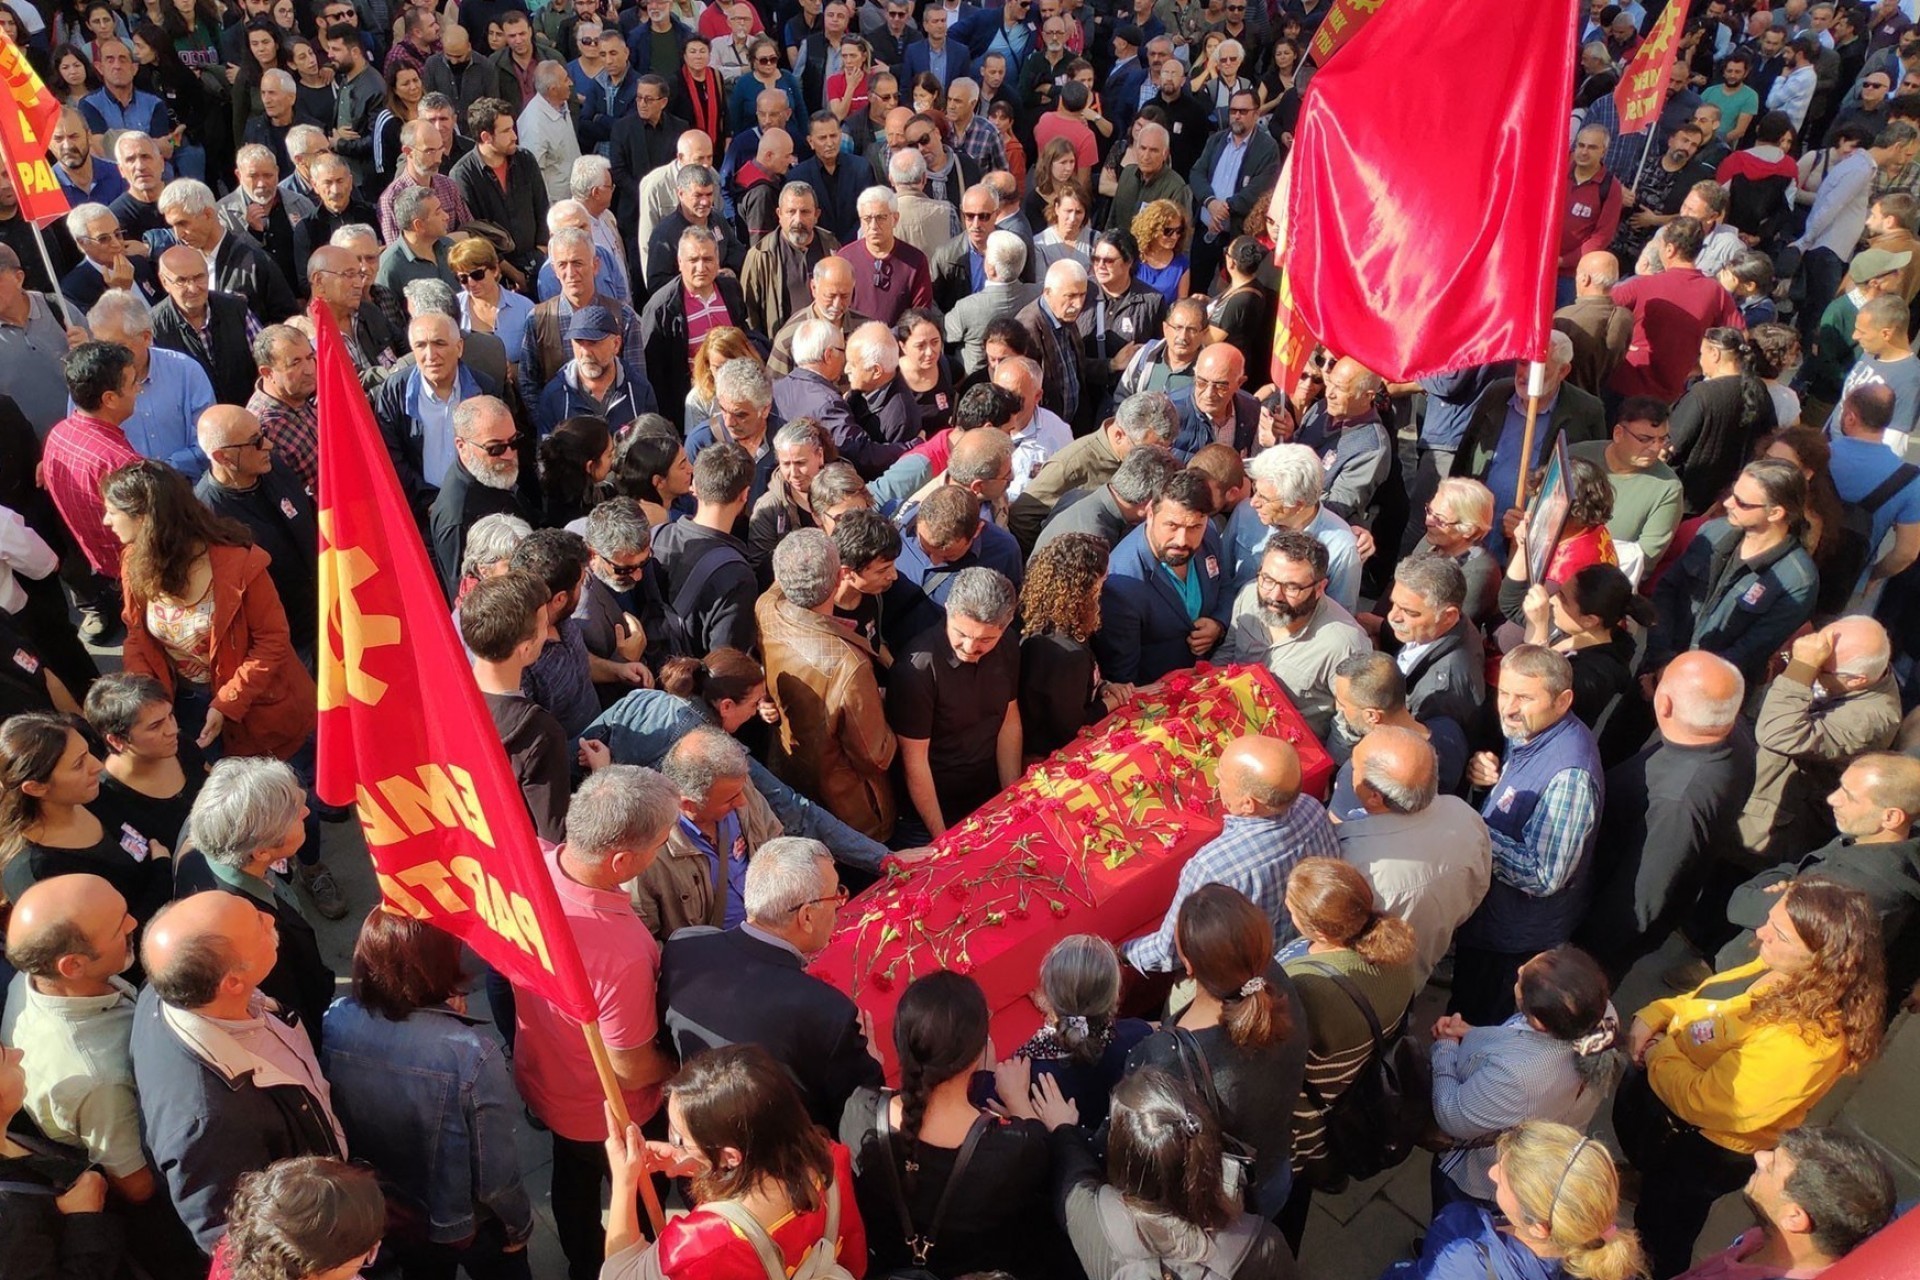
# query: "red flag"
28,113
1342,23
404,734
1424,221
1643,86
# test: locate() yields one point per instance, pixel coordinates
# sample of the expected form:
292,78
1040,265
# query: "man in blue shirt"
173,389
702,877
945,535
85,177
117,105
1863,469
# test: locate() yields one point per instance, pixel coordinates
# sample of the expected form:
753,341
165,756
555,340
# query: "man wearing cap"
1129,74
1872,272
594,383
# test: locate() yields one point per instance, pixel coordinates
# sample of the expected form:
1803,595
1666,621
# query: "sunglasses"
766,62
977,217
625,570
496,448
468,277
259,441
920,141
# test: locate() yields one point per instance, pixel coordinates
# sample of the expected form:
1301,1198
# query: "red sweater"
1593,215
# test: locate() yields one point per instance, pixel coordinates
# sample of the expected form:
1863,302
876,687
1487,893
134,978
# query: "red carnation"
882,981
1075,769
958,891
962,966
1058,908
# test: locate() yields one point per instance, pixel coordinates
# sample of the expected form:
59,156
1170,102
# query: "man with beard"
266,209
501,184
483,480
1542,809
1816,1197
1663,186
594,383
781,267
83,178
831,286
1051,320
1435,645
1165,603
359,95
1285,619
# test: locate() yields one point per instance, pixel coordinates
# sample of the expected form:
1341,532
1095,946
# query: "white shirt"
1044,435
546,133
21,551
1793,94
606,234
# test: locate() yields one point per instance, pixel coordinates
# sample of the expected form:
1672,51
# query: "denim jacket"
429,1103
641,727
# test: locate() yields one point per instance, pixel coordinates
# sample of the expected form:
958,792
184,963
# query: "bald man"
1836,699
1038,432
831,285
1355,447
227,1083
1598,327
242,483
1428,855
657,195
1269,827
1669,820
70,1012
1875,806
1217,409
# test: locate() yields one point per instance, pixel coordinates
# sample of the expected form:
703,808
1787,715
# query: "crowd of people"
818,412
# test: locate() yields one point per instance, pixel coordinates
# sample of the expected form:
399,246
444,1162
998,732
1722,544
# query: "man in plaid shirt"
1269,827
974,137
283,400
88,443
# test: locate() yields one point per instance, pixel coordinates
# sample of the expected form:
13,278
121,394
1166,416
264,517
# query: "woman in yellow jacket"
1743,1058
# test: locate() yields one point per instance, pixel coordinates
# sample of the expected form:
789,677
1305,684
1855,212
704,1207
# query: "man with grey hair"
925,223
748,984
1428,856
657,193
174,389
1052,321
617,823
591,183
1147,417
214,330
879,401
821,357
421,154
690,305
483,480
544,345
104,262
1434,643
1004,261
305,144
742,415
799,452
830,298
696,190
889,275
252,813
1150,177
1286,495
701,876
490,545
341,205
236,263
484,353
415,408
1599,328
953,702
1671,818
1111,510
546,128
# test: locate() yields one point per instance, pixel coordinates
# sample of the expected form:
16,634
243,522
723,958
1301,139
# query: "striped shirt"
1544,858
1339,1040
1253,855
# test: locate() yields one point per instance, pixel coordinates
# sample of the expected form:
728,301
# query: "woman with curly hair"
307,1218
204,620
1061,692
1840,556
1744,1057
1161,231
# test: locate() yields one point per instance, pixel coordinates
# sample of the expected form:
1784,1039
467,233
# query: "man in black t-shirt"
242,483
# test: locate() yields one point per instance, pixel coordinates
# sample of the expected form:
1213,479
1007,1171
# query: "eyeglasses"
1211,384
259,441
495,448
1289,589
110,237
1107,259
1637,438
1174,230
468,277
838,899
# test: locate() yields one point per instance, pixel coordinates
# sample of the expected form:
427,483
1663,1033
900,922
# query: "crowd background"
816,413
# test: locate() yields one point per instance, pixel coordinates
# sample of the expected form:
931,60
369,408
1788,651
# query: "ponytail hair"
1164,1158
1335,899
1081,979
725,675
1755,399
1566,1184
1228,946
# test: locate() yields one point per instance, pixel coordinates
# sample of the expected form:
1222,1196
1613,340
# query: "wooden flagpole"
610,1085
1536,384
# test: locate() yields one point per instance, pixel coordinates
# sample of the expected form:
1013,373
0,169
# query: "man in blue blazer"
1237,166
1167,594
1216,407
942,52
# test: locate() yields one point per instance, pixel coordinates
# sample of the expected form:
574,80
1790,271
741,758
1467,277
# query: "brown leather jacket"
834,743
677,889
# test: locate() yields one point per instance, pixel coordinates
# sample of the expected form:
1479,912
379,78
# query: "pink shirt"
1078,132
80,450
551,1064
1729,1265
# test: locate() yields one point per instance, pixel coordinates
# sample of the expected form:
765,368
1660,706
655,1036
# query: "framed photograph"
1547,512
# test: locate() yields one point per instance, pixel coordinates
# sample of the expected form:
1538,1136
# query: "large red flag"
1644,85
404,734
1425,207
27,116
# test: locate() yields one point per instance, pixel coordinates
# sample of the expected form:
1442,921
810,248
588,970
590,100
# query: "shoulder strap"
1198,1070
749,1226
1359,999
716,559
975,1131
922,1243
1901,477
885,1119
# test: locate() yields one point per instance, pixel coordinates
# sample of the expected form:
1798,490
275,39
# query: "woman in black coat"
1061,692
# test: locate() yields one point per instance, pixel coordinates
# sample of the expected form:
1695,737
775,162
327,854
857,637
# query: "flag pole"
1536,385
610,1085
1641,169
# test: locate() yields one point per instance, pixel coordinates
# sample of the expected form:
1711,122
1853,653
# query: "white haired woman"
1457,520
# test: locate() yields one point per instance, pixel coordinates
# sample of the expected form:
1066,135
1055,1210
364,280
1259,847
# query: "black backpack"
679,624
1382,1115
1856,550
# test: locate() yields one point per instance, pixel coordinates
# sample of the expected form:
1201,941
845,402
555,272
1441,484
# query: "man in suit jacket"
959,265
663,324
1235,168
946,57
967,322
749,984
239,264
1071,388
641,143
1490,450
1167,597
1448,675
1121,97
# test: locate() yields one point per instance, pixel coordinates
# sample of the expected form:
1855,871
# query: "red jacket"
1593,215
259,685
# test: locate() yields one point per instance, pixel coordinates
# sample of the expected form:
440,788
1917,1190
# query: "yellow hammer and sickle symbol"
348,632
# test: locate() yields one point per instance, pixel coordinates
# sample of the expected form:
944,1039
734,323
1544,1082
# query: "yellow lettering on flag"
437,797
463,887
